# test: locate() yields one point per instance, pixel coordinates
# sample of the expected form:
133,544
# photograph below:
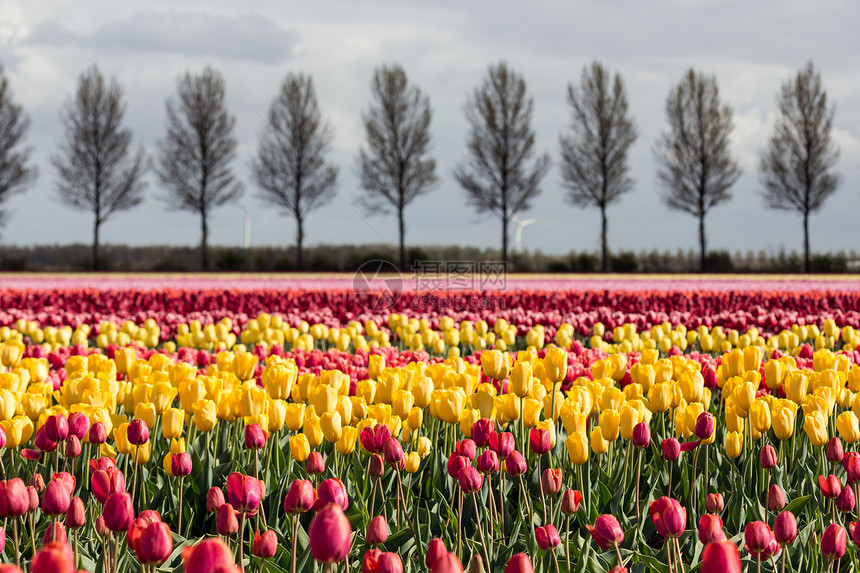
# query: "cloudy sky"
445,46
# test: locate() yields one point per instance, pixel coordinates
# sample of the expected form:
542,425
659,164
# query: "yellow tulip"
278,379
610,422
495,364
531,412
555,364
300,448
172,423
346,444
848,426
660,397
692,386
577,448
295,416
759,416
796,386
205,415
815,426
146,411
252,401
630,416
413,462
330,424
734,444
521,379
449,406
468,417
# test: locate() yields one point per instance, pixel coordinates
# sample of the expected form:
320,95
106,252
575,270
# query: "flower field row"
607,436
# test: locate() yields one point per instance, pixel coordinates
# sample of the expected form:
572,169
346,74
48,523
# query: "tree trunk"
204,253
604,257
703,266
96,226
806,267
505,239
300,237
402,239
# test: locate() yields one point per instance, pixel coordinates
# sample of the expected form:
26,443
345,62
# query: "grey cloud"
246,37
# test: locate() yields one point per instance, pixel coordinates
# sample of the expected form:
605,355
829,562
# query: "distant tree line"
98,170
347,258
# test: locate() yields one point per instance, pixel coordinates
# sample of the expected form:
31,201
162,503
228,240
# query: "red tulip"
226,522
456,462
550,482
333,491
488,462
76,515
34,498
389,563
79,424
834,541
329,535
56,428
38,482
715,502
540,440
209,556
845,500
519,563
435,551
481,431
53,557
785,528
394,455
73,447
102,463
101,528
56,531
711,529
835,451
255,437
118,511
721,557
138,432
470,480
516,464
377,531
776,498
830,486
547,537
14,499
315,464
466,448
641,435
767,457
106,482
244,493
570,501
56,498
97,434
447,563
370,561
180,464
758,538
154,544
376,466
669,517
214,499
671,449
704,426
851,463
606,531
265,544
300,498
373,438
502,443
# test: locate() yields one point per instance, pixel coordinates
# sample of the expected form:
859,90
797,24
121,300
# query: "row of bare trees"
100,171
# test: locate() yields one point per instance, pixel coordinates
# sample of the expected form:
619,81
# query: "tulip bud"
641,435
76,515
329,535
79,424
570,501
370,561
704,426
255,437
265,544
470,480
389,562
775,498
73,446
785,528
715,503
834,541
56,531
118,511
331,491
540,441
669,517
315,464
14,499
180,464
56,428
38,482
377,531
101,528
53,557
671,449
830,486
758,537
550,482
516,464
376,466
138,432
845,500
154,544
394,455
97,434
711,529
34,498
481,431
502,443
244,493
835,452
488,462
767,457
435,551
226,522
606,532
456,462
721,557
56,498
300,498
547,537
466,448
214,499
519,563
208,556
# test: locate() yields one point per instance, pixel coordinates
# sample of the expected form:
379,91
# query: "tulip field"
619,426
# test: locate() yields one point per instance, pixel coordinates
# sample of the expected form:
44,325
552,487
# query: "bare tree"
195,155
797,165
395,165
697,166
98,170
15,174
290,167
594,154
497,176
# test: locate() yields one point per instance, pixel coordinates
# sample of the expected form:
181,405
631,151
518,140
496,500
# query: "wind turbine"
518,238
